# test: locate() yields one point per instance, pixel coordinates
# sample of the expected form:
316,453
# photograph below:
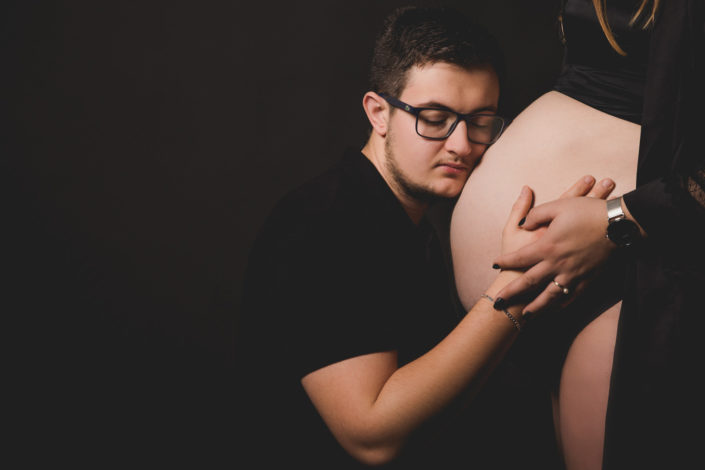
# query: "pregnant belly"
551,144
548,146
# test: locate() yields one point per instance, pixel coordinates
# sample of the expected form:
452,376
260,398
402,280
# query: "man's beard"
423,194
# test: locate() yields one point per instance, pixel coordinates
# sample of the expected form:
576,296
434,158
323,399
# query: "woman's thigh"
583,392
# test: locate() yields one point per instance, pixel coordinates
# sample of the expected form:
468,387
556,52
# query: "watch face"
623,232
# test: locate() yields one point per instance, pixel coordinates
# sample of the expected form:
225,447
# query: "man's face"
426,169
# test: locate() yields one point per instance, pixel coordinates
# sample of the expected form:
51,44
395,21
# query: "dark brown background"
144,144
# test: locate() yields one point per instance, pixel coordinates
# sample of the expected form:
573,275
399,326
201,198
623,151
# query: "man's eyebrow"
436,104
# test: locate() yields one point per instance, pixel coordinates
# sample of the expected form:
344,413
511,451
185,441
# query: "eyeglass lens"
437,124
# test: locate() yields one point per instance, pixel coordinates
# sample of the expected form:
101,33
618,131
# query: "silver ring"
563,289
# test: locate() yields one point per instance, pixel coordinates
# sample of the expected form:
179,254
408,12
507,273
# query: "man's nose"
458,142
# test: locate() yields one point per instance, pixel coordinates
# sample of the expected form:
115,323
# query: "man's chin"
451,192
441,196
441,191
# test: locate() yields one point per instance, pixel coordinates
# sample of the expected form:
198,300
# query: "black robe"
654,417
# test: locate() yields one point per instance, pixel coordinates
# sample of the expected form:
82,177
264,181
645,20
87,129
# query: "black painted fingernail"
495,266
500,304
521,222
528,315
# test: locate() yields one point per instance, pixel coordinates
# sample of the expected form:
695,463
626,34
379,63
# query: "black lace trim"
695,184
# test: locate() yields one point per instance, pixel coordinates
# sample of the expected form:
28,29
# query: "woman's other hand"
571,248
515,235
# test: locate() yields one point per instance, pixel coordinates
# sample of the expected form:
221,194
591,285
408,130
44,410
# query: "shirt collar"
377,193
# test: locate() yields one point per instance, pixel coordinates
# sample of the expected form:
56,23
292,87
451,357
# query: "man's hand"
567,245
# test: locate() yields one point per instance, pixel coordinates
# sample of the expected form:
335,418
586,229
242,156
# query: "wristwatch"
622,231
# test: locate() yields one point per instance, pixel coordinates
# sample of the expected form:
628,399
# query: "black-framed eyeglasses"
439,123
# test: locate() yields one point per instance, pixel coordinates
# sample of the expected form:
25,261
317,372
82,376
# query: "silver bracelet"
516,323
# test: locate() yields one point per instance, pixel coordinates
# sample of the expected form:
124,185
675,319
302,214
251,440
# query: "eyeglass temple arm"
398,104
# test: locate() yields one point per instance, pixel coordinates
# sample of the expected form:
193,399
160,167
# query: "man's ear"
376,109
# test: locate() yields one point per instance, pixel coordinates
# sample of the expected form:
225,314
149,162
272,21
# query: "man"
357,353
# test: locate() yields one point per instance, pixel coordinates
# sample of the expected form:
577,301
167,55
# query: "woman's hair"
419,36
602,17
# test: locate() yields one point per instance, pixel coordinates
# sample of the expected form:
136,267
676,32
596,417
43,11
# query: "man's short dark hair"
418,36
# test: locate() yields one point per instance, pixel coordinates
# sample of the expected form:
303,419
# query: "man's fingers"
602,189
580,188
540,215
523,258
531,280
521,206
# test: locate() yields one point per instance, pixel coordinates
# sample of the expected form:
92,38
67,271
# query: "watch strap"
614,209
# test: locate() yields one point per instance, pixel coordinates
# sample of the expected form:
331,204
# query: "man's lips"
453,166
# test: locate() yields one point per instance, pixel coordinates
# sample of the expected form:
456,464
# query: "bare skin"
555,139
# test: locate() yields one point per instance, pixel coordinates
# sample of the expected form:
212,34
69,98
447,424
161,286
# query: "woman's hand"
571,249
516,235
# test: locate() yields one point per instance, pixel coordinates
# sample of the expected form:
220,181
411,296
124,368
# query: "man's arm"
372,406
